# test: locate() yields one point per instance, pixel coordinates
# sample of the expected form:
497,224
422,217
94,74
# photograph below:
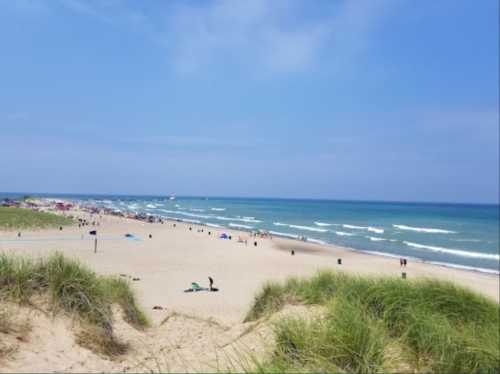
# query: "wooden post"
95,245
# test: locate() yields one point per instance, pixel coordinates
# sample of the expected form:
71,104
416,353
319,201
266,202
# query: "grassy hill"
381,325
18,218
71,288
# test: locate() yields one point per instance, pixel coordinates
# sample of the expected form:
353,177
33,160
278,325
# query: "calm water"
449,234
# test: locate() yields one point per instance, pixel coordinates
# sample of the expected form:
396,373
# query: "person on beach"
401,262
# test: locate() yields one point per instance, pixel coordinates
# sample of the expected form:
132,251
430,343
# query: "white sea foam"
463,267
185,213
456,252
424,229
214,225
322,224
248,220
308,228
238,225
152,206
317,241
467,240
218,209
341,233
446,264
190,220
280,224
277,233
387,255
368,228
375,239
196,210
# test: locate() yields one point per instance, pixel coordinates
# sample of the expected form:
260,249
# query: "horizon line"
254,197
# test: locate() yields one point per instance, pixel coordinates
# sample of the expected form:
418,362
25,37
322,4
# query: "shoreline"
242,230
175,256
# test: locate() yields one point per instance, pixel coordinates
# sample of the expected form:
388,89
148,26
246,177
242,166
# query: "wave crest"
455,252
424,229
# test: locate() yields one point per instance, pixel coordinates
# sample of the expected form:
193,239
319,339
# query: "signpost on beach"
94,232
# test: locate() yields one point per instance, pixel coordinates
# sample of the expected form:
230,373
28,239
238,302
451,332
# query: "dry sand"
174,257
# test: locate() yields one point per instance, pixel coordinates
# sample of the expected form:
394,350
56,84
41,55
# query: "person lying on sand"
195,287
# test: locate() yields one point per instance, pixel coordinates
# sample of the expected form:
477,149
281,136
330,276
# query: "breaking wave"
323,224
247,219
240,226
368,228
308,228
424,229
375,239
316,241
284,234
342,233
456,252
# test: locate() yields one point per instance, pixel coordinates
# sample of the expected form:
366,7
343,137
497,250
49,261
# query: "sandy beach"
175,255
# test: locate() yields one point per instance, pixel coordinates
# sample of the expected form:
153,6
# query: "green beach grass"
19,218
380,325
72,288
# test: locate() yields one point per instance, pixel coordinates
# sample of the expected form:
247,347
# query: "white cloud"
285,36
271,34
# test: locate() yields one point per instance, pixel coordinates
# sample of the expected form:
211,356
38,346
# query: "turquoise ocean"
457,235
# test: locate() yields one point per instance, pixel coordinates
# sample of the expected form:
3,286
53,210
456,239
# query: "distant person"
405,262
211,287
401,261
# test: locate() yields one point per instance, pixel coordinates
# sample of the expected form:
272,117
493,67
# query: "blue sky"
375,99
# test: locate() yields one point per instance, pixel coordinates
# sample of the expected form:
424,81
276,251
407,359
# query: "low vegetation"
72,288
19,218
380,325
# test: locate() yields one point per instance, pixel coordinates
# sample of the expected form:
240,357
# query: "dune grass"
376,325
19,218
72,288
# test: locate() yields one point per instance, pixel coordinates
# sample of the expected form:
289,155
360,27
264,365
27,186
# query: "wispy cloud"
271,34
278,36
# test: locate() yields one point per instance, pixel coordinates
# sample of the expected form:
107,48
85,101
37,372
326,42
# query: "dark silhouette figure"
211,287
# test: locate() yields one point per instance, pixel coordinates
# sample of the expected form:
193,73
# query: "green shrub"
433,325
73,288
